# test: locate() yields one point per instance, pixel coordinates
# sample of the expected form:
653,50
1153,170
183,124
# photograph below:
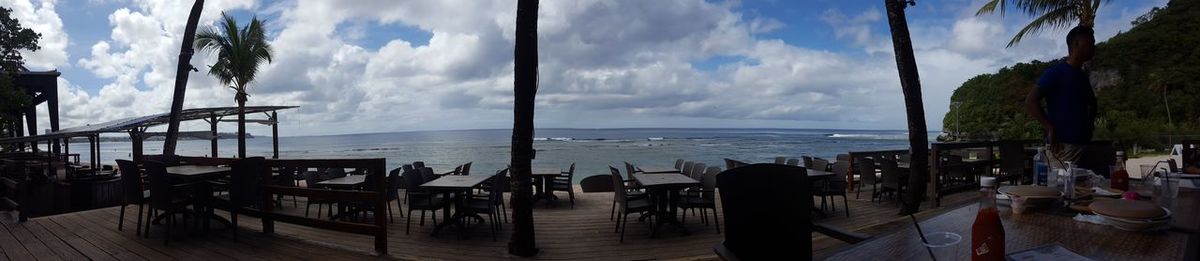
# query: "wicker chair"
866,170
835,186
706,198
131,180
624,204
563,182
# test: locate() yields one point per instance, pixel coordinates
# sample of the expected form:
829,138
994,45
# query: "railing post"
379,169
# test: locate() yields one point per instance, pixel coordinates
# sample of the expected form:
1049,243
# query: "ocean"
593,150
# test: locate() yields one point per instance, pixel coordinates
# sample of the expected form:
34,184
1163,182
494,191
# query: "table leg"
447,220
666,199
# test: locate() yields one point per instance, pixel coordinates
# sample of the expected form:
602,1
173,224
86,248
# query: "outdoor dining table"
453,184
652,169
664,189
545,177
343,183
198,175
1043,227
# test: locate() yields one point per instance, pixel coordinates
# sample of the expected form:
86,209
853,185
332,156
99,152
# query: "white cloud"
42,18
602,64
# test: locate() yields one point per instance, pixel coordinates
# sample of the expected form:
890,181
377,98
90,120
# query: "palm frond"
1057,19
990,7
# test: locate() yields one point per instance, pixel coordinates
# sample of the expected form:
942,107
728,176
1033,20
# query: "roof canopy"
122,125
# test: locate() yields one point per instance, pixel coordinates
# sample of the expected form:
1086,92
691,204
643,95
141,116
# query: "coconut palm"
239,53
1051,14
525,59
181,78
910,84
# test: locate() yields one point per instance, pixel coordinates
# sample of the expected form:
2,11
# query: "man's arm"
1033,106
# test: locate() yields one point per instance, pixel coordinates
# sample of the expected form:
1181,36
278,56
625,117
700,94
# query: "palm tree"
181,78
239,53
910,83
525,59
1052,14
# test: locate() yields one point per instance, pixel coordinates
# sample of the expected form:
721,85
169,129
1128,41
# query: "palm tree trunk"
524,90
181,77
241,126
910,82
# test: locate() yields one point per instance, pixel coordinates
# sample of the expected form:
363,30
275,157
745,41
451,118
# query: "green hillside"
1136,74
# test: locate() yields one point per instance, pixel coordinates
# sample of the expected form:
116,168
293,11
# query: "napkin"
1094,219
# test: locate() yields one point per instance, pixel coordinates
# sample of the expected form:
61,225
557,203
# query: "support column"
98,160
212,124
135,137
274,135
92,152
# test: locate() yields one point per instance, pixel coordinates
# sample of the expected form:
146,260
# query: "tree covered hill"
1147,83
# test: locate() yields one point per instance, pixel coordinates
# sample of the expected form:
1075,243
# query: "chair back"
418,164
890,173
820,164
426,175
732,163
618,186
312,177
131,182
687,168
866,170
630,169
457,170
697,171
160,184
808,162
413,180
793,162
840,169
678,163
780,160
245,182
766,209
496,192
466,169
708,181
597,183
395,183
569,175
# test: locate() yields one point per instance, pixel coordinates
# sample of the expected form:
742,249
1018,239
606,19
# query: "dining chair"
892,180
562,182
835,186
426,175
866,171
135,193
687,167
488,205
793,162
630,183
696,173
466,169
245,181
165,195
820,164
706,198
758,229
780,160
678,163
625,205
631,187
311,178
395,184
808,161
419,199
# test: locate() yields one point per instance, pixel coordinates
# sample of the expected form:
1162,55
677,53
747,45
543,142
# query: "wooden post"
274,135
135,137
212,125
92,151
379,170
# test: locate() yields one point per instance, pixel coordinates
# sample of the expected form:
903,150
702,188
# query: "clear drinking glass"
944,245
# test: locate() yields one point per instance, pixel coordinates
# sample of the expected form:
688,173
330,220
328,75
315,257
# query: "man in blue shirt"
1070,103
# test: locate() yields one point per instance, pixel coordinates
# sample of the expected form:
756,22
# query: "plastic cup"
944,245
1018,204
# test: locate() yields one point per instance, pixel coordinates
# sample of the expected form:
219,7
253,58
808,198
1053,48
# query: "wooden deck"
562,233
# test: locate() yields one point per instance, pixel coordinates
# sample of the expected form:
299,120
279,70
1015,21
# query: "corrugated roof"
126,124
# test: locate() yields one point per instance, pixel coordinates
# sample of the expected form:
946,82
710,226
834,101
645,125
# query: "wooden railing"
375,196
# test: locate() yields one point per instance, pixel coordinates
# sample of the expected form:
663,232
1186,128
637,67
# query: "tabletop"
818,173
1032,229
455,182
657,169
664,180
352,180
545,171
197,171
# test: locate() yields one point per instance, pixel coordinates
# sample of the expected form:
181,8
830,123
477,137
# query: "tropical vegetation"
1146,82
239,50
1051,14
13,39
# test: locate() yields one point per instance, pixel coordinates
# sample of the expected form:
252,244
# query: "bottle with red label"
1120,177
987,234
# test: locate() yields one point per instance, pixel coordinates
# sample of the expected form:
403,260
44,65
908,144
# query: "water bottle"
1040,168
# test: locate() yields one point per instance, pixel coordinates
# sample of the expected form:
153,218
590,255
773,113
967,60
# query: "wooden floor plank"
104,218
103,244
13,249
35,246
60,247
79,244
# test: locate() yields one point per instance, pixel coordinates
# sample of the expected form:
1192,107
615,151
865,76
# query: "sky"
369,66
